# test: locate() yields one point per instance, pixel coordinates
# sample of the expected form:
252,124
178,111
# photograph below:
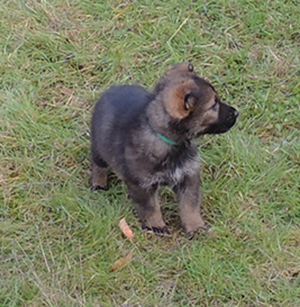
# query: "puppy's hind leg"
98,179
147,206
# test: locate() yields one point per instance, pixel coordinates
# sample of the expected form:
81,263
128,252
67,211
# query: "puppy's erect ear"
185,66
180,100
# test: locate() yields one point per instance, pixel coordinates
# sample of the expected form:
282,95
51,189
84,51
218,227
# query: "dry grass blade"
122,261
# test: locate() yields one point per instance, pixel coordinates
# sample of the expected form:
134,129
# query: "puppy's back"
119,111
121,104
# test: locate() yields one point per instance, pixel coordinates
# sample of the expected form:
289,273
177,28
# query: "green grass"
58,240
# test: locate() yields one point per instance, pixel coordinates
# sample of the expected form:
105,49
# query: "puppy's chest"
170,173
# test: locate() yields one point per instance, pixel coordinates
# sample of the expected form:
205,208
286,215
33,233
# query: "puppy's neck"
161,124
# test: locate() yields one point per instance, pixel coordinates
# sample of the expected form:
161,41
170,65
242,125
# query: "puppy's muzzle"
226,120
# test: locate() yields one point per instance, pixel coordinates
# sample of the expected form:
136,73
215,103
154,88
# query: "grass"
59,240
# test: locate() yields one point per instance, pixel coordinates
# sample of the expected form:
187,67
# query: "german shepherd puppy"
148,138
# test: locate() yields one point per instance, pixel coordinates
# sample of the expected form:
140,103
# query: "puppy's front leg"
146,204
189,202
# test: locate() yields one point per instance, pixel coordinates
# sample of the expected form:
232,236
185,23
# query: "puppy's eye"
215,106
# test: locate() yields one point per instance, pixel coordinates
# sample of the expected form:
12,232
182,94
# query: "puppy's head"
193,104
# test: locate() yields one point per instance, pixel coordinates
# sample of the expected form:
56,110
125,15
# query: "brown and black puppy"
148,138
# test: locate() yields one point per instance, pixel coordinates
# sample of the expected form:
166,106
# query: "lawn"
58,240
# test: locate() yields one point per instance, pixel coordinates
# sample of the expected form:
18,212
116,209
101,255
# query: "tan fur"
209,115
191,218
174,98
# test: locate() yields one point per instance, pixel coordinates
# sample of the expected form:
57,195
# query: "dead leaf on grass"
122,261
126,230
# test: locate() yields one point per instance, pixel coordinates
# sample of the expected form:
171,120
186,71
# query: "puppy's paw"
192,222
156,230
98,179
200,232
154,223
97,188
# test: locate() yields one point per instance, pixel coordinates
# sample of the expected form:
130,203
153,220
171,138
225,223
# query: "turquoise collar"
165,139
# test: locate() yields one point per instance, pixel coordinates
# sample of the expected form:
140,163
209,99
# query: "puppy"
148,138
